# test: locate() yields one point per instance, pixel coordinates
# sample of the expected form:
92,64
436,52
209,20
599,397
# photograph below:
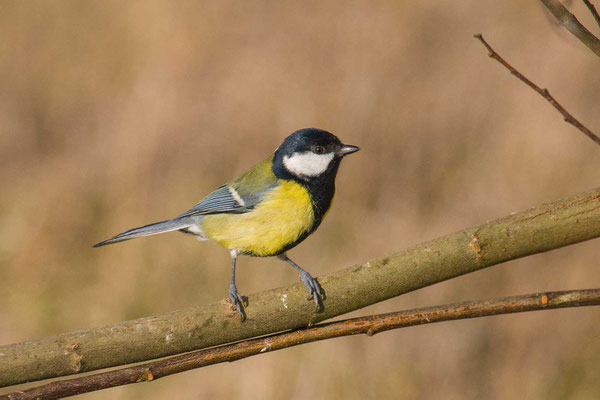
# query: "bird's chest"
283,217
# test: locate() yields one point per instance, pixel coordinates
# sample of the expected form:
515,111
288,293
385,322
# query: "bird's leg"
315,290
238,301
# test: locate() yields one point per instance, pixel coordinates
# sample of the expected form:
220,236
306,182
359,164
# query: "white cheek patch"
307,164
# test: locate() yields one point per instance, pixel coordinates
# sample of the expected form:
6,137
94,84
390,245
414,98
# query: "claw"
315,291
238,301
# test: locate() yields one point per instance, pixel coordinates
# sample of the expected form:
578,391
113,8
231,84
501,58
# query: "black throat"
321,188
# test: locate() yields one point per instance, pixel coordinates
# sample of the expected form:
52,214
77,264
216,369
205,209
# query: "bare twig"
365,325
570,23
542,92
592,9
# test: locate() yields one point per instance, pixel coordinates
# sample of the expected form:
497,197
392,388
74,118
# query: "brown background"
116,114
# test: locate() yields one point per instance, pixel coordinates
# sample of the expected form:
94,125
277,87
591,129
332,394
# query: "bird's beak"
347,149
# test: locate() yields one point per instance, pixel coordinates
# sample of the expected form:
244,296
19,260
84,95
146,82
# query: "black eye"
318,149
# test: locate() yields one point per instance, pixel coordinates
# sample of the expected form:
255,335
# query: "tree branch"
550,226
542,92
592,9
364,325
570,23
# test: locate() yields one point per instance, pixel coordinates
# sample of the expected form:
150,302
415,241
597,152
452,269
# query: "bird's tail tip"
152,229
102,243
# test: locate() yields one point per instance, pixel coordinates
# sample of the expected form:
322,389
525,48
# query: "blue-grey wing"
240,195
226,199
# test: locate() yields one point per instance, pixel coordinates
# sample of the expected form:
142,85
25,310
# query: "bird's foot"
315,290
238,301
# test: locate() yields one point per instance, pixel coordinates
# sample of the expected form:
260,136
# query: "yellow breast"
283,215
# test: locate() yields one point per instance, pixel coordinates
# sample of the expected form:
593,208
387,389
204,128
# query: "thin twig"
365,325
592,9
542,92
570,23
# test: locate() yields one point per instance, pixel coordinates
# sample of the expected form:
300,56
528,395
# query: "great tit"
267,210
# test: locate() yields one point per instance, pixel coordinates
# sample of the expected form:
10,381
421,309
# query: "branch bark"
542,92
593,11
364,325
572,24
550,226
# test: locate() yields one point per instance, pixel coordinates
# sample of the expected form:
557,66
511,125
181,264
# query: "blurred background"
117,114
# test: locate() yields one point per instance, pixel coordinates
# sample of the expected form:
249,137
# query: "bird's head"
310,153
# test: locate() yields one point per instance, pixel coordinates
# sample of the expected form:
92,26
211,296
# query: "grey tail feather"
147,230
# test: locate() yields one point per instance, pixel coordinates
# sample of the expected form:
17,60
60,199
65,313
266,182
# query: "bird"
267,210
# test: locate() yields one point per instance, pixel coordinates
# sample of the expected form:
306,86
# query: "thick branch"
542,92
365,325
570,23
564,222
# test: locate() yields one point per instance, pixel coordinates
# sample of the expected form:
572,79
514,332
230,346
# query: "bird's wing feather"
238,196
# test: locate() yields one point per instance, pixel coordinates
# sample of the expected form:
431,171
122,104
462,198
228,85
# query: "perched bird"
267,210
